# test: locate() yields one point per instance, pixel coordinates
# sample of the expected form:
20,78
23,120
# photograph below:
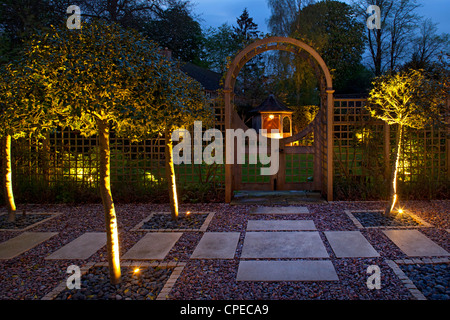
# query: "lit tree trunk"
393,197
170,176
7,179
108,204
46,159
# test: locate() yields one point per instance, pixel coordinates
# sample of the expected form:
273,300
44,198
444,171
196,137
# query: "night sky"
216,12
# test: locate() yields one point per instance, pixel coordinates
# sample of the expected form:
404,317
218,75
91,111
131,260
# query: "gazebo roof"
271,104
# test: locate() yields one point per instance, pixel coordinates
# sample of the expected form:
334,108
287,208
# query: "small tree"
106,78
406,99
179,102
25,111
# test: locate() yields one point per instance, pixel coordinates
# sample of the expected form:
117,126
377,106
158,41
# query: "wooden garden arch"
322,125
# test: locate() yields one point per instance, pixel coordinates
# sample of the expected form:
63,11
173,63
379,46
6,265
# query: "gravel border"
25,222
29,276
161,226
408,220
120,292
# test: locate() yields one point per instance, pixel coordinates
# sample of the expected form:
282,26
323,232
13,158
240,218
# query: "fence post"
228,167
330,143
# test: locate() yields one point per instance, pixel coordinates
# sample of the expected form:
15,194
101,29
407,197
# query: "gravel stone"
30,277
433,280
164,221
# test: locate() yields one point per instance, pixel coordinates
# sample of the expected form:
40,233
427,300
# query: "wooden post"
330,116
281,174
228,167
317,178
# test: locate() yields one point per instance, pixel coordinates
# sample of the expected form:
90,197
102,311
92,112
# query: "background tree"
284,14
19,19
176,29
389,45
219,44
107,78
127,13
428,45
251,82
331,28
406,99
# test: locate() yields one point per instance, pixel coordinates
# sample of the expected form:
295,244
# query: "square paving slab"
217,245
81,248
153,246
306,244
280,225
286,271
350,244
414,244
280,210
24,242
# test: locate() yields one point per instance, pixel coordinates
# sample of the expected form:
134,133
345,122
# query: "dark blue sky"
216,12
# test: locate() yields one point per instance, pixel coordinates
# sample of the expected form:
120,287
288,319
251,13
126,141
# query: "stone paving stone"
350,244
81,248
280,210
22,243
414,244
303,244
303,270
217,245
153,246
280,225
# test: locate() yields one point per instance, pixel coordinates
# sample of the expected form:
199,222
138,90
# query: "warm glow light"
400,211
115,247
136,270
150,177
188,213
275,135
271,117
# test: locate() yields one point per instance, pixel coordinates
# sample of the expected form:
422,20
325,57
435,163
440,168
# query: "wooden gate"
300,167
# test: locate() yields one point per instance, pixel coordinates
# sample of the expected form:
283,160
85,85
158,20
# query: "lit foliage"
25,111
102,77
105,73
406,99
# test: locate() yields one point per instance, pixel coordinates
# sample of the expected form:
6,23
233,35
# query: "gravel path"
29,276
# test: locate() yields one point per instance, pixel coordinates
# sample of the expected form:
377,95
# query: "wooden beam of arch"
269,44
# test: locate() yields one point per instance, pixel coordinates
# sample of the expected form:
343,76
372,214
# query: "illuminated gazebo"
273,115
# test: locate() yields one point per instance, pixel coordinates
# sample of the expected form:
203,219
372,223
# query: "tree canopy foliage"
103,76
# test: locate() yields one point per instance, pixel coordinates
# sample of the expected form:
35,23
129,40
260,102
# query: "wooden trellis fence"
361,146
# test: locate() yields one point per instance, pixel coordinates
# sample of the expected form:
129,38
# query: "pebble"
432,279
208,279
164,221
